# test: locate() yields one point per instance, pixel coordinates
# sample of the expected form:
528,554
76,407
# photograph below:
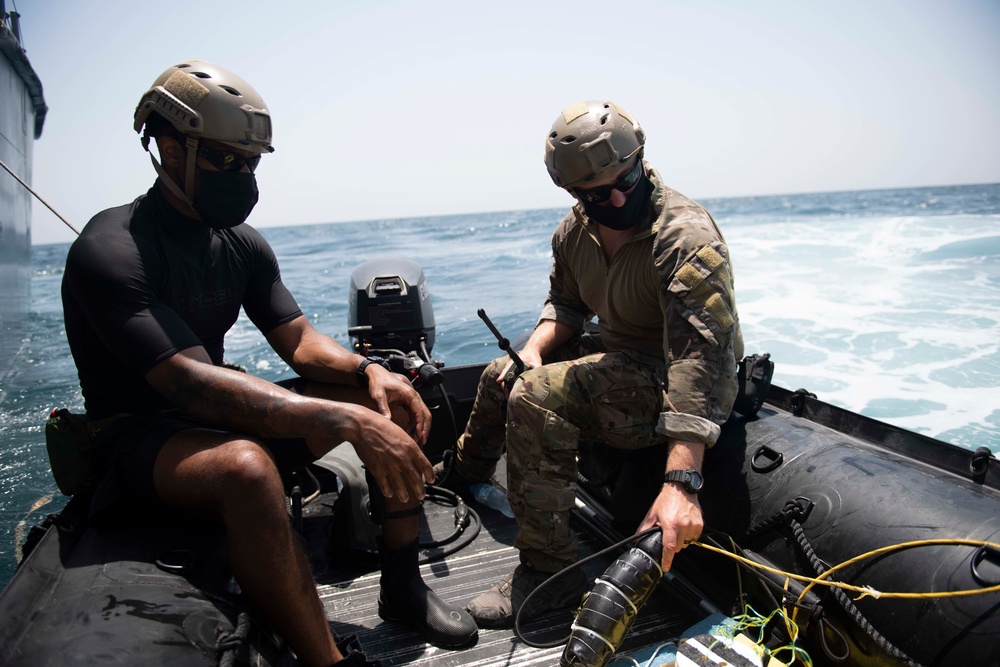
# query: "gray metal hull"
22,111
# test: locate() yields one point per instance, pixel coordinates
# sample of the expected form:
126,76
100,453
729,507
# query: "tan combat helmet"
205,101
590,141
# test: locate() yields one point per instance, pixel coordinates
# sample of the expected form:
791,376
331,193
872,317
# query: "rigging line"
822,578
867,590
19,534
38,197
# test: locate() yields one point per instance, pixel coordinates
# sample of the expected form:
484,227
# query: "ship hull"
22,112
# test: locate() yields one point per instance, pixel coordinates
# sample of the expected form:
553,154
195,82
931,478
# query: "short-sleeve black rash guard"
143,282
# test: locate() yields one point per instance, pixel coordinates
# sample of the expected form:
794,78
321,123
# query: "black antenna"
504,345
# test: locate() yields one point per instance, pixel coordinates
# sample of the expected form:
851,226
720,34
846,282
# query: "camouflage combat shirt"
668,291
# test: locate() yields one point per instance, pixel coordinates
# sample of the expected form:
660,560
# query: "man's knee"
246,466
530,389
531,425
521,427
492,372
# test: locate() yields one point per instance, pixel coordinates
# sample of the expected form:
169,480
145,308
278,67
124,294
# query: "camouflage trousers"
614,397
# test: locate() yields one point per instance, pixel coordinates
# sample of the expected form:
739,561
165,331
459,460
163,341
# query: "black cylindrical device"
610,608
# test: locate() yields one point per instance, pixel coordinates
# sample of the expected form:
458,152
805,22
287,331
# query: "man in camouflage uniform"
652,265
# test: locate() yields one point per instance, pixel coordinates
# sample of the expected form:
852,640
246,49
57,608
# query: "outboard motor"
389,308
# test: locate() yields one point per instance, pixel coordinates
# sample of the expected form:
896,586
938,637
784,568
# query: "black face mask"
225,199
621,217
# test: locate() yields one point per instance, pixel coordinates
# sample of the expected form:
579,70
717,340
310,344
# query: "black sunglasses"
224,160
602,193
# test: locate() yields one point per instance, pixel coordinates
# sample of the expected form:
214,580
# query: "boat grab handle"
178,561
982,553
773,459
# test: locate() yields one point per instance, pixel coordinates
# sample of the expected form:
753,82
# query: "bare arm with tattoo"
317,357
246,404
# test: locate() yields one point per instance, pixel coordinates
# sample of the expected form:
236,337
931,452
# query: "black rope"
790,515
228,643
797,509
846,602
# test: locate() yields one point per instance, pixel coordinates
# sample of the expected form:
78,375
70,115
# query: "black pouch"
71,450
755,373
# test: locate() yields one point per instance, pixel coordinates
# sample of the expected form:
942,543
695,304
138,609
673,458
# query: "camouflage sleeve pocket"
705,288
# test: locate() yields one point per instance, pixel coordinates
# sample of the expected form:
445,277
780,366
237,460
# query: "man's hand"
547,337
388,389
678,514
676,511
394,459
531,359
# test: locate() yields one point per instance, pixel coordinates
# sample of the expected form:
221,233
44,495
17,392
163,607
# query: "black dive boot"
405,597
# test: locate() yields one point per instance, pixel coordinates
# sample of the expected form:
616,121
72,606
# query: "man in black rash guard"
149,292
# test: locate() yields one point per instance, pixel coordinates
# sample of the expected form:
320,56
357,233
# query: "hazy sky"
404,109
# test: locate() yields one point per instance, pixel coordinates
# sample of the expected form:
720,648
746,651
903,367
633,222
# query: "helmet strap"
173,187
187,197
192,157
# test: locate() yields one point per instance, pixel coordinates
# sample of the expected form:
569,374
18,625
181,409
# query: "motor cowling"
389,306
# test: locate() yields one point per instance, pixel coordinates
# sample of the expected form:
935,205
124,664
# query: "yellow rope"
866,591
908,596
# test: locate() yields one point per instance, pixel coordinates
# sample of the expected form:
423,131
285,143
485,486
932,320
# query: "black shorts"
128,449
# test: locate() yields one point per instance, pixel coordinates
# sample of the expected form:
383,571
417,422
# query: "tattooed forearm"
234,400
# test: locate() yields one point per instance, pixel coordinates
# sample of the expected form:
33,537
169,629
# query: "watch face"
691,479
695,481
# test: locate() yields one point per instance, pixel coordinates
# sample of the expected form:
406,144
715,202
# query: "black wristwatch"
365,363
691,479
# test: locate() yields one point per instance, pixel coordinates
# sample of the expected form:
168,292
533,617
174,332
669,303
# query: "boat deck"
349,592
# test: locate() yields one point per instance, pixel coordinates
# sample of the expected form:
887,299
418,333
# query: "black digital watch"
365,363
691,479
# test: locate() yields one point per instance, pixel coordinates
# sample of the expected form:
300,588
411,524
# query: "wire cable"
38,197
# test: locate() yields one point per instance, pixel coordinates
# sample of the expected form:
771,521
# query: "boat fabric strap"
354,654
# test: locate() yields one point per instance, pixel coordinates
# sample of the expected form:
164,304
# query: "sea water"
884,302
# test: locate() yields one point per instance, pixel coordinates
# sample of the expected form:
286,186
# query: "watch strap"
360,375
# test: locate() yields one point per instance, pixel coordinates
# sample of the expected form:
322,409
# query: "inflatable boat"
795,489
